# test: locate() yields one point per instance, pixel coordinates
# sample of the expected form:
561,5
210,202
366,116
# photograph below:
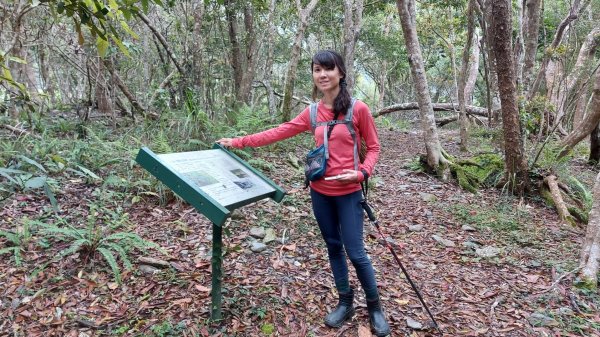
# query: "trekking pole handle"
369,211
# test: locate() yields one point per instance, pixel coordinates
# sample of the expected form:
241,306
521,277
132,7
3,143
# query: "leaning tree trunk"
353,10
162,41
124,89
464,74
574,12
288,92
516,164
578,76
435,158
590,121
590,252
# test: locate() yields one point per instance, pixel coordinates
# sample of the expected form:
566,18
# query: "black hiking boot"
378,322
342,312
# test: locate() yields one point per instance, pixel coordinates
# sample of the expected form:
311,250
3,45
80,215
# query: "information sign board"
214,181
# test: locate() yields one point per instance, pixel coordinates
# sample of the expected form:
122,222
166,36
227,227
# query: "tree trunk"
21,72
251,54
269,62
590,121
196,67
124,89
288,91
531,27
516,164
473,70
352,23
576,79
486,18
384,64
47,84
574,11
102,96
236,51
464,73
435,158
519,46
590,252
595,146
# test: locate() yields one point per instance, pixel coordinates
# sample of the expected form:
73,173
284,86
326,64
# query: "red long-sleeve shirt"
340,144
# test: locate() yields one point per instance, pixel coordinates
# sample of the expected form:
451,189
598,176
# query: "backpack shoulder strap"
313,117
350,125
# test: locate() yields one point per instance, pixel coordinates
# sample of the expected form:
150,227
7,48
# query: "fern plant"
100,240
17,240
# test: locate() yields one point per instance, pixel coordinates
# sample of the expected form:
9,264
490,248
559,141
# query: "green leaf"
7,170
17,59
11,179
32,162
102,46
125,27
75,246
7,74
68,232
11,237
113,5
35,183
126,13
122,47
16,251
8,250
88,172
112,263
122,254
51,197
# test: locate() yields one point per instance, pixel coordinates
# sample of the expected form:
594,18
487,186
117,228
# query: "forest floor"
487,264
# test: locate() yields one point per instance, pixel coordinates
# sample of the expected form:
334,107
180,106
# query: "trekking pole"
375,223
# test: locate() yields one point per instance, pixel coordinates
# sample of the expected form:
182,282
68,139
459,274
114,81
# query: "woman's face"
326,80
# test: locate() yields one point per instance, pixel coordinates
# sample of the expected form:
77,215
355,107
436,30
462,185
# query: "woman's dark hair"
330,59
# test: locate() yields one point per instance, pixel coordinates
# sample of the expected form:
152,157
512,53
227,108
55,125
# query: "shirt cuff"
237,143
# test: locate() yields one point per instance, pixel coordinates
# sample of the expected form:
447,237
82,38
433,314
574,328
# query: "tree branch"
162,41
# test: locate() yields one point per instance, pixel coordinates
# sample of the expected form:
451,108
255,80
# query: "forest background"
493,100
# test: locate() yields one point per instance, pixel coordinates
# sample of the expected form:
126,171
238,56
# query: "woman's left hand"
348,176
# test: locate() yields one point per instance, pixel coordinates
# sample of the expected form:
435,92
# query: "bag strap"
329,126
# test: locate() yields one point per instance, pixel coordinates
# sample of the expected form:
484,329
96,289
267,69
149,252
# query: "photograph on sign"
217,174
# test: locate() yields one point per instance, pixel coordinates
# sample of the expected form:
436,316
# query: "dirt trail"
287,289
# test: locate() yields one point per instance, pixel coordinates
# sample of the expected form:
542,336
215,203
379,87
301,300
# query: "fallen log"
447,120
559,203
18,131
473,110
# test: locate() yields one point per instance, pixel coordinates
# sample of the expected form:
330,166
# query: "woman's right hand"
227,142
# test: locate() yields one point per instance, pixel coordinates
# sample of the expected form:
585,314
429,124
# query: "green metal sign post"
215,182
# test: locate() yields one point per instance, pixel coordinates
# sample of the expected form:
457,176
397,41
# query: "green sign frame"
194,195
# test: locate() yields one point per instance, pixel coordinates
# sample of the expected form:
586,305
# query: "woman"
336,197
